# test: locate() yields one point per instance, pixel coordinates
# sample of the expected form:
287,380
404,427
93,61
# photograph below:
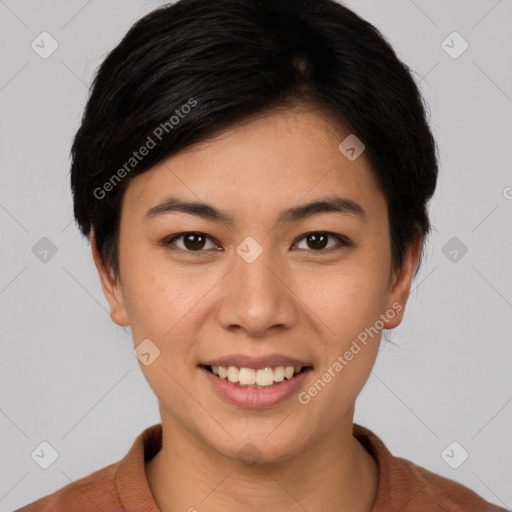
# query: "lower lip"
255,398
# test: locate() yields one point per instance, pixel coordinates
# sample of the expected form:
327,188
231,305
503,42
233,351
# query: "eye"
318,240
192,241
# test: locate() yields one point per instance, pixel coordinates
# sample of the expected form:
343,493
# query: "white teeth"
264,377
288,372
247,376
233,373
254,378
279,374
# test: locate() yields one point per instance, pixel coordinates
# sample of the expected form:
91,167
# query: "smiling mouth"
256,378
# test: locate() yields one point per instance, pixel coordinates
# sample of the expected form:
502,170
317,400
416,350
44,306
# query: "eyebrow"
206,211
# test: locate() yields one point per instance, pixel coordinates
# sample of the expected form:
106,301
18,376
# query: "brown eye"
318,240
192,242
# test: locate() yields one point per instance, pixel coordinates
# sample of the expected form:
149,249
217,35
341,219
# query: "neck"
336,473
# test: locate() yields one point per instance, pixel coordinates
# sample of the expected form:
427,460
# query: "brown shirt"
123,487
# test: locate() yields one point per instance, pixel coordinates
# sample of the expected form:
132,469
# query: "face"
257,280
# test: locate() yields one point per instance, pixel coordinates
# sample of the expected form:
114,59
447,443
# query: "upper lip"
245,361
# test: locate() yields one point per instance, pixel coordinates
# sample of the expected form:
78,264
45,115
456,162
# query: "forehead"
268,163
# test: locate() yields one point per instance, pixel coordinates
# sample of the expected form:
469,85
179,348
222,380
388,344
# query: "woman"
254,178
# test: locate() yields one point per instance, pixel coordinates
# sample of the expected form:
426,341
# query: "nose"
257,297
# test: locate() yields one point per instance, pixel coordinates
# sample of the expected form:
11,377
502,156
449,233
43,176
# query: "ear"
112,288
401,281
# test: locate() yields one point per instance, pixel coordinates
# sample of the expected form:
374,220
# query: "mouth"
256,378
256,382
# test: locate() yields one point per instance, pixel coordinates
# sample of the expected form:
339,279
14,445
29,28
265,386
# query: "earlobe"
112,288
401,284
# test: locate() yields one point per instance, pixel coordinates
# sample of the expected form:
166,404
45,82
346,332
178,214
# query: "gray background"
68,375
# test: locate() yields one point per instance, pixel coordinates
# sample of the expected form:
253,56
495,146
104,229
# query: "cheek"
349,309
346,300
155,304
163,300
349,304
152,297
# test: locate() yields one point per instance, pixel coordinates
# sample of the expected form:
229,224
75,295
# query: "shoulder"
93,492
408,487
429,488
116,488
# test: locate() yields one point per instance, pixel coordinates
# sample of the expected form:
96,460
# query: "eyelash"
342,241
